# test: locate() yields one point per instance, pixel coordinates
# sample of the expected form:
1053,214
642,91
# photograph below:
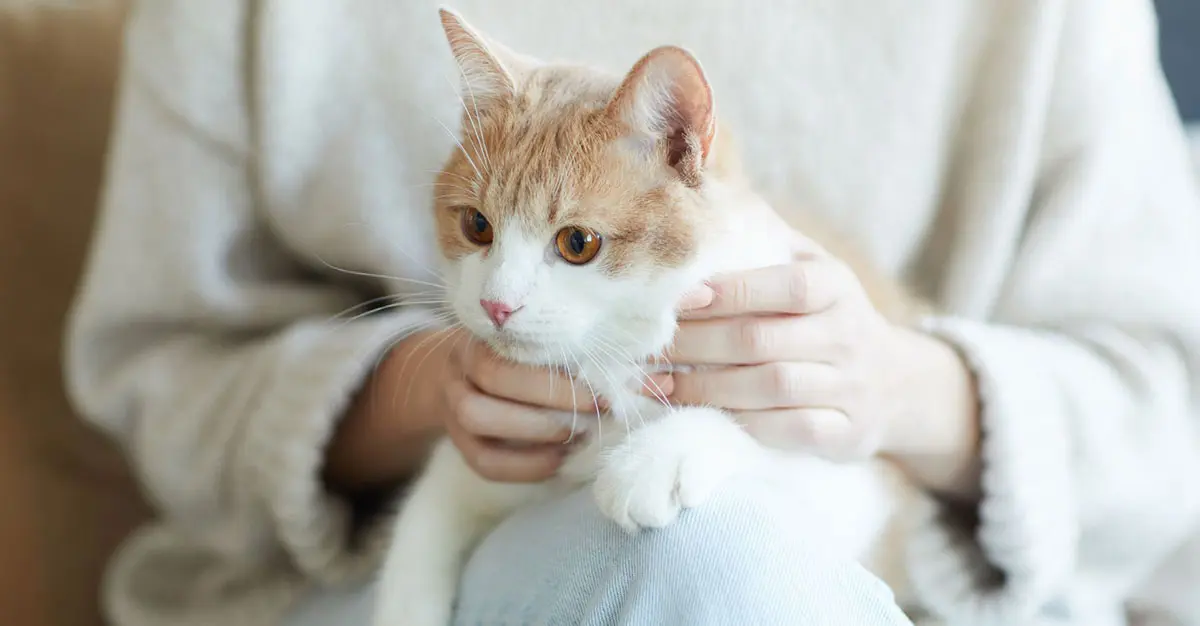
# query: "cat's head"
572,213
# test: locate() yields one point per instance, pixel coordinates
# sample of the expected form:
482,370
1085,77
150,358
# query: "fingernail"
697,298
659,386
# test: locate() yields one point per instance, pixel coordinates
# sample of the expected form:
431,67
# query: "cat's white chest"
633,404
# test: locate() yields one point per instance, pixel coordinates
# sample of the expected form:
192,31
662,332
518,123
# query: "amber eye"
577,245
476,227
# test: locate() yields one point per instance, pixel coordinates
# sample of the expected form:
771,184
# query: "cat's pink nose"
499,312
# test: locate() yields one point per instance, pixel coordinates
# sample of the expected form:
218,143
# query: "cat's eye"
577,245
476,228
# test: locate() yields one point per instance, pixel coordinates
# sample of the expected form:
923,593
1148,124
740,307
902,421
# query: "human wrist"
934,434
386,430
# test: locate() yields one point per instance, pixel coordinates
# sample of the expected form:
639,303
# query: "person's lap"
727,562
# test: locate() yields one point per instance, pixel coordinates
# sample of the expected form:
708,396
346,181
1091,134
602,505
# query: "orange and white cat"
578,210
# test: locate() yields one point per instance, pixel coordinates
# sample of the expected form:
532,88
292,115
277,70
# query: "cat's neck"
744,233
625,386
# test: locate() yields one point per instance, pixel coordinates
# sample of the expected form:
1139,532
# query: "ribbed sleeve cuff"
1006,567
315,372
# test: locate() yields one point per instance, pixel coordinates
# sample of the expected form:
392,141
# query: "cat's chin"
524,351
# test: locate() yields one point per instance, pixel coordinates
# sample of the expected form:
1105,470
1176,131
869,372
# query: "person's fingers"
525,384
810,284
826,432
753,340
494,460
508,465
482,415
658,386
779,385
697,298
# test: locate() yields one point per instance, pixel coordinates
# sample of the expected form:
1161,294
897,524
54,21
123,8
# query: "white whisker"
647,382
474,127
466,154
374,275
604,371
446,333
365,303
470,181
401,334
574,400
595,396
382,309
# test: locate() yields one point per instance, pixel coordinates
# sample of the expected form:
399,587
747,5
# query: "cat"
578,209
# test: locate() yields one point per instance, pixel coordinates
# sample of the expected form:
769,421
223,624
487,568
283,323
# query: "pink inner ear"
677,147
684,119
691,123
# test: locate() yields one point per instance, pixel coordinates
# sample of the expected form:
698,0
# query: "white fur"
651,101
647,463
486,67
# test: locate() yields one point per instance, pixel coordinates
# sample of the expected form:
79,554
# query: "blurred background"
67,497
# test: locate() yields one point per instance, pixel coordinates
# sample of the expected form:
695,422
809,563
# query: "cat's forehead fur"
552,158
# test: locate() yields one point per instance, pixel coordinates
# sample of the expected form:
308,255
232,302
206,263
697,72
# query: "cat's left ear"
490,71
667,104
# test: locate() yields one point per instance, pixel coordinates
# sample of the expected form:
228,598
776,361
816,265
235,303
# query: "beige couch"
66,497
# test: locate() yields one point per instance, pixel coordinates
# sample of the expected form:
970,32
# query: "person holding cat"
1019,164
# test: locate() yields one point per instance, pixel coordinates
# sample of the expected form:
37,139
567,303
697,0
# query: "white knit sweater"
1019,161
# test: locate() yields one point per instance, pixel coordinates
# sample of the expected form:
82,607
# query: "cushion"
68,497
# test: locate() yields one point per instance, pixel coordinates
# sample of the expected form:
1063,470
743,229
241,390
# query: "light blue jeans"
728,562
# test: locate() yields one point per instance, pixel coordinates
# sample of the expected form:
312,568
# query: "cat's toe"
638,492
676,463
698,479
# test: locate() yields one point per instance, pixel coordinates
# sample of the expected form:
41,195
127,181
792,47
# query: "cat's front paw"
673,464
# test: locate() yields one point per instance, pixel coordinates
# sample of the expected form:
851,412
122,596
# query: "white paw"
676,463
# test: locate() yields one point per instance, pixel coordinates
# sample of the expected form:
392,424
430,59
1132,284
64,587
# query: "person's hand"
512,423
806,362
515,423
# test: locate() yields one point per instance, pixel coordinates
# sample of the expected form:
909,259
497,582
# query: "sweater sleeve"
217,359
1089,377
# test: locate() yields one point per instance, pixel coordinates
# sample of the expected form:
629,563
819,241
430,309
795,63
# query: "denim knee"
737,549
730,561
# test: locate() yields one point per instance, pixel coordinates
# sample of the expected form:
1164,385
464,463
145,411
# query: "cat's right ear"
488,69
666,104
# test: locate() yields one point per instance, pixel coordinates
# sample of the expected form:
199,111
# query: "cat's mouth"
509,340
523,349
